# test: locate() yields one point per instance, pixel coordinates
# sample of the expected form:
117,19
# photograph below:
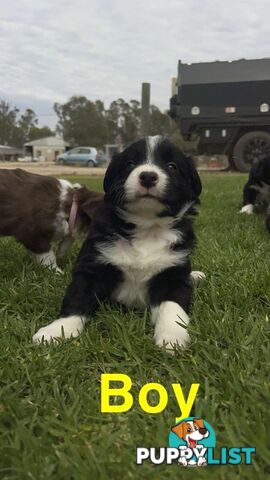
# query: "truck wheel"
250,147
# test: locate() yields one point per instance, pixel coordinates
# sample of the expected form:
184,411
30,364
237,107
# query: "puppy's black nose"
148,179
203,431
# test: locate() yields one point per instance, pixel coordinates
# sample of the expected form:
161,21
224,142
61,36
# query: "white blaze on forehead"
151,145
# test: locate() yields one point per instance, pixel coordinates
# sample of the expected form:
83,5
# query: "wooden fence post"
145,113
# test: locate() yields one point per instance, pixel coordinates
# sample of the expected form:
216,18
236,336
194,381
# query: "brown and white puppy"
36,209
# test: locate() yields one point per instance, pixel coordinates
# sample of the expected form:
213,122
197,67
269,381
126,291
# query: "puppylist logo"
192,443
192,440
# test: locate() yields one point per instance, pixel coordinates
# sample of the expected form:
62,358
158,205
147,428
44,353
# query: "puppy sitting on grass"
137,252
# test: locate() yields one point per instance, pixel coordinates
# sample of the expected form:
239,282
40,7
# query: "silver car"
86,156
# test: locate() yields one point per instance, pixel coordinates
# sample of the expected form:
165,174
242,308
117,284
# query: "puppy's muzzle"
148,179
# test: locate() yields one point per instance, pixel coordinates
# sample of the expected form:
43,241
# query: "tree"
27,121
16,131
8,118
160,123
82,122
124,119
39,132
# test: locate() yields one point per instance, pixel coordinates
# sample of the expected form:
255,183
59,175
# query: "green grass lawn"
51,426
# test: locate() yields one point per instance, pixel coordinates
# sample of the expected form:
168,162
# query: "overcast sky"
104,49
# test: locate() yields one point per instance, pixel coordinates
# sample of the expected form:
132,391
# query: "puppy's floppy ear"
88,201
111,171
179,430
194,178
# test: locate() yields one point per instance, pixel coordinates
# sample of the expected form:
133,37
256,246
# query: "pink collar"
73,213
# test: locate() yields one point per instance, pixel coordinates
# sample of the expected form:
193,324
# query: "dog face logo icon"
191,431
192,436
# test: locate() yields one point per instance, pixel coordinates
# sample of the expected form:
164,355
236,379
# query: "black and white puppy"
137,252
258,188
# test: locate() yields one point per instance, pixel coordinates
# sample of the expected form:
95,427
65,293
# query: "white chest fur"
147,254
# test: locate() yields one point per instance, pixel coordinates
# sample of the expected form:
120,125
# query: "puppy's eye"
130,164
171,166
189,430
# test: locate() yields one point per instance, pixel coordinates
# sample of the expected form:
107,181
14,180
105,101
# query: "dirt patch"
49,168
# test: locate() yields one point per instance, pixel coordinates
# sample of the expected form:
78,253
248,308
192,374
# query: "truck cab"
227,105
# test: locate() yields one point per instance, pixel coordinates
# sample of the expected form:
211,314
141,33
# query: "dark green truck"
226,104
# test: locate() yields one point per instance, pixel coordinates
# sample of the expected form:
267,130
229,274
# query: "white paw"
170,341
201,461
169,332
183,461
197,277
58,270
248,209
66,327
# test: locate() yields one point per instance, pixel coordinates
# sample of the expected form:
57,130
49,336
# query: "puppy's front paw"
170,340
197,277
248,209
66,327
170,324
